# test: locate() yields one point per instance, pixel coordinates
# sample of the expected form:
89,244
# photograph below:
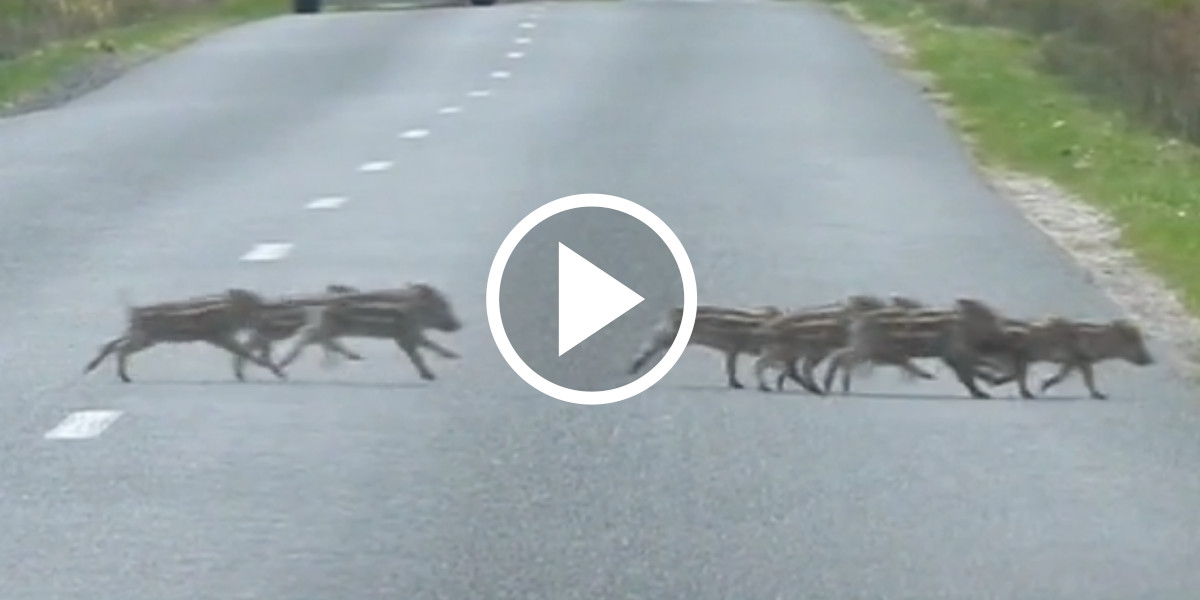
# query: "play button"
578,286
588,299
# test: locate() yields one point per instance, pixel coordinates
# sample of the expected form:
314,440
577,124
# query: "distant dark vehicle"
482,2
306,6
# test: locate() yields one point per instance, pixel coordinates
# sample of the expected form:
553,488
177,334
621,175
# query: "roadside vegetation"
43,41
1100,96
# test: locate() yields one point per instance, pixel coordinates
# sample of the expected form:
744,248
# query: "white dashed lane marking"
528,25
326,203
414,134
479,93
267,251
515,54
371,167
449,110
83,424
523,40
501,74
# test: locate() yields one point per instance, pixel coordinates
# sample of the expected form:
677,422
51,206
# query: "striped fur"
1072,345
282,318
958,336
401,315
213,319
726,330
811,334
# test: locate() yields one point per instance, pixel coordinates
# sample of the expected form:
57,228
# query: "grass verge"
33,74
1020,119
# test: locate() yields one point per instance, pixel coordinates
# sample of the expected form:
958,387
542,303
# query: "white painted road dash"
449,110
414,134
381,165
268,251
501,74
83,424
515,54
326,203
479,93
528,25
523,40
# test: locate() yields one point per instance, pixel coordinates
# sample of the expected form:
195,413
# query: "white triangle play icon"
588,299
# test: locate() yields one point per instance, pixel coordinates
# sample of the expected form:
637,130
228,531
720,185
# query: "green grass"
1025,120
32,73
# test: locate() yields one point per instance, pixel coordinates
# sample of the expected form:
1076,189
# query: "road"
788,158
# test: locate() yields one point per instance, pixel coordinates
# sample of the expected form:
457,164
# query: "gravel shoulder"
1089,235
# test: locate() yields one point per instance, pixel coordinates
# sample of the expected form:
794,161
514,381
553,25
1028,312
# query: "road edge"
64,71
100,58
1088,235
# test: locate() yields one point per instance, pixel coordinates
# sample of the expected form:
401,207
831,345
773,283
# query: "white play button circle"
599,313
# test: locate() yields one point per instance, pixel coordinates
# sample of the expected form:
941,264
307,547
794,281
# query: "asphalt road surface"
794,166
